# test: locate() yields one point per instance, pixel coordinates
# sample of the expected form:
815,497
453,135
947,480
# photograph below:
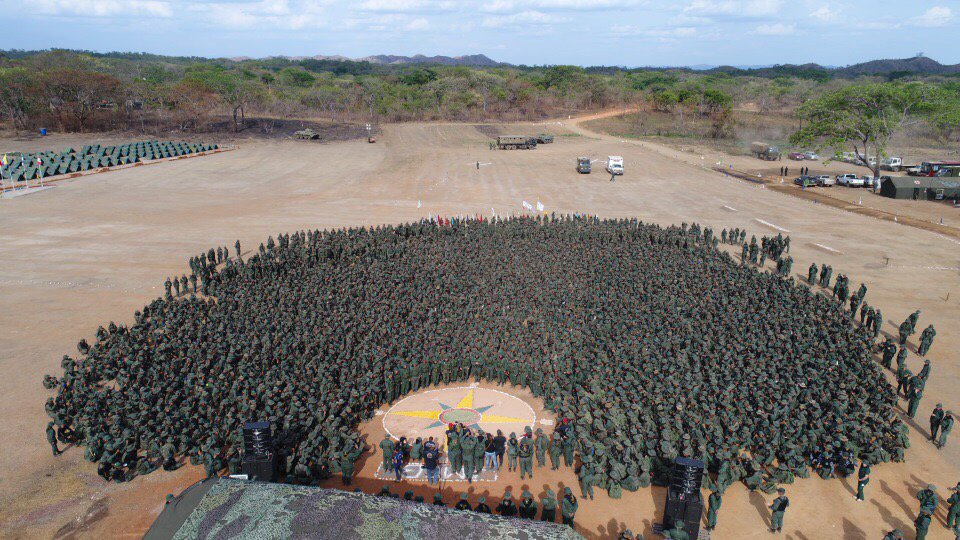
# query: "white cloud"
524,18
278,14
776,29
404,6
826,14
669,33
739,8
510,6
102,8
934,17
417,24
588,5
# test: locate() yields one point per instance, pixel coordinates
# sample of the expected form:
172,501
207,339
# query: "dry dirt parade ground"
94,249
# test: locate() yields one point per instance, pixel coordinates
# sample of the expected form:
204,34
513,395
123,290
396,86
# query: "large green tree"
865,117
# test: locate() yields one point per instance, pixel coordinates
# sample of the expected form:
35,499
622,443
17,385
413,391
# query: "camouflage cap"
507,496
526,494
437,497
463,496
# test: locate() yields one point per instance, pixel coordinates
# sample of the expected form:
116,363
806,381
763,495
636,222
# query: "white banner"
539,206
527,205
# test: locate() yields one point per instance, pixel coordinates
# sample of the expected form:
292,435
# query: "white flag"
419,204
539,206
527,205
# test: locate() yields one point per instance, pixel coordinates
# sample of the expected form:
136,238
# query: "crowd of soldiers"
655,341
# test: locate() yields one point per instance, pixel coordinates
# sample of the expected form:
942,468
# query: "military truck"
306,135
583,165
514,142
765,151
543,138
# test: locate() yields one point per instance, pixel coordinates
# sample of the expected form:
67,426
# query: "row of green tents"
21,167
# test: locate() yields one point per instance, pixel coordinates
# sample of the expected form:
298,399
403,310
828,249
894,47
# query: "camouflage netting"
255,510
654,341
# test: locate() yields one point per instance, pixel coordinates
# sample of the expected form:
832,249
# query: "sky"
534,32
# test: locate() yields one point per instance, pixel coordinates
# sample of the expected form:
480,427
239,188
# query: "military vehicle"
765,151
583,165
514,142
543,138
306,135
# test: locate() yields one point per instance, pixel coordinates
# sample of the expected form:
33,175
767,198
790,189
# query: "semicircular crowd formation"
655,342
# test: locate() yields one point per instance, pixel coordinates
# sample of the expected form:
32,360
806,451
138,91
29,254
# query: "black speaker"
261,468
683,496
257,440
683,506
687,475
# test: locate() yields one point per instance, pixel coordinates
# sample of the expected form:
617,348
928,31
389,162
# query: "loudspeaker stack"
683,496
258,455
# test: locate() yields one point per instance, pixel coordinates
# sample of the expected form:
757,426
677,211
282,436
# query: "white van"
615,165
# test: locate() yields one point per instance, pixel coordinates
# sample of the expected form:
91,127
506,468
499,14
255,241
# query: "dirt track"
96,248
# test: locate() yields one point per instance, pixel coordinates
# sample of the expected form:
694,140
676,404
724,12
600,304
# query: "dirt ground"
96,248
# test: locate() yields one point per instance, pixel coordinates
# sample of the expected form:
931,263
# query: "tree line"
84,91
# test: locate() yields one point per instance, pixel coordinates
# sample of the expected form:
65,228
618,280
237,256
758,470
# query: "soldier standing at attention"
525,453
945,427
555,450
482,506
388,447
569,506
542,443
936,418
778,508
714,501
928,502
52,439
513,449
863,478
549,505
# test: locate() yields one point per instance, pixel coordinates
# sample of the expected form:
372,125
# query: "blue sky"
584,32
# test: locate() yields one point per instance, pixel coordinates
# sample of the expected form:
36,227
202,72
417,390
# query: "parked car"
826,180
849,180
796,156
867,180
811,156
805,181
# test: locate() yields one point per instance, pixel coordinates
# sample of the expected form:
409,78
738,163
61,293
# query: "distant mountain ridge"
918,64
473,60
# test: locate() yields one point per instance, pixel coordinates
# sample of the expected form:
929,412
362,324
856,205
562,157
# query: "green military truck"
543,138
516,142
583,165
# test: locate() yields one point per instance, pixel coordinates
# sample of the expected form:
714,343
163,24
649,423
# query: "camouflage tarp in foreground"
240,509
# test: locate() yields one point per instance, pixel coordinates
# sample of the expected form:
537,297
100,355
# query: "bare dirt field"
96,248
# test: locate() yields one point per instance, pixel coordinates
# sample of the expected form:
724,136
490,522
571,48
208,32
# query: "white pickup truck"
615,165
849,180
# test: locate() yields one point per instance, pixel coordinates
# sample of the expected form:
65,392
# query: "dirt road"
96,248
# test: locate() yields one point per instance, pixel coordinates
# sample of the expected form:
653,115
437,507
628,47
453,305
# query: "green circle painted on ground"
464,416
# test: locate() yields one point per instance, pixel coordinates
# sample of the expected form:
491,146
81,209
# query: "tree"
75,94
17,88
865,117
